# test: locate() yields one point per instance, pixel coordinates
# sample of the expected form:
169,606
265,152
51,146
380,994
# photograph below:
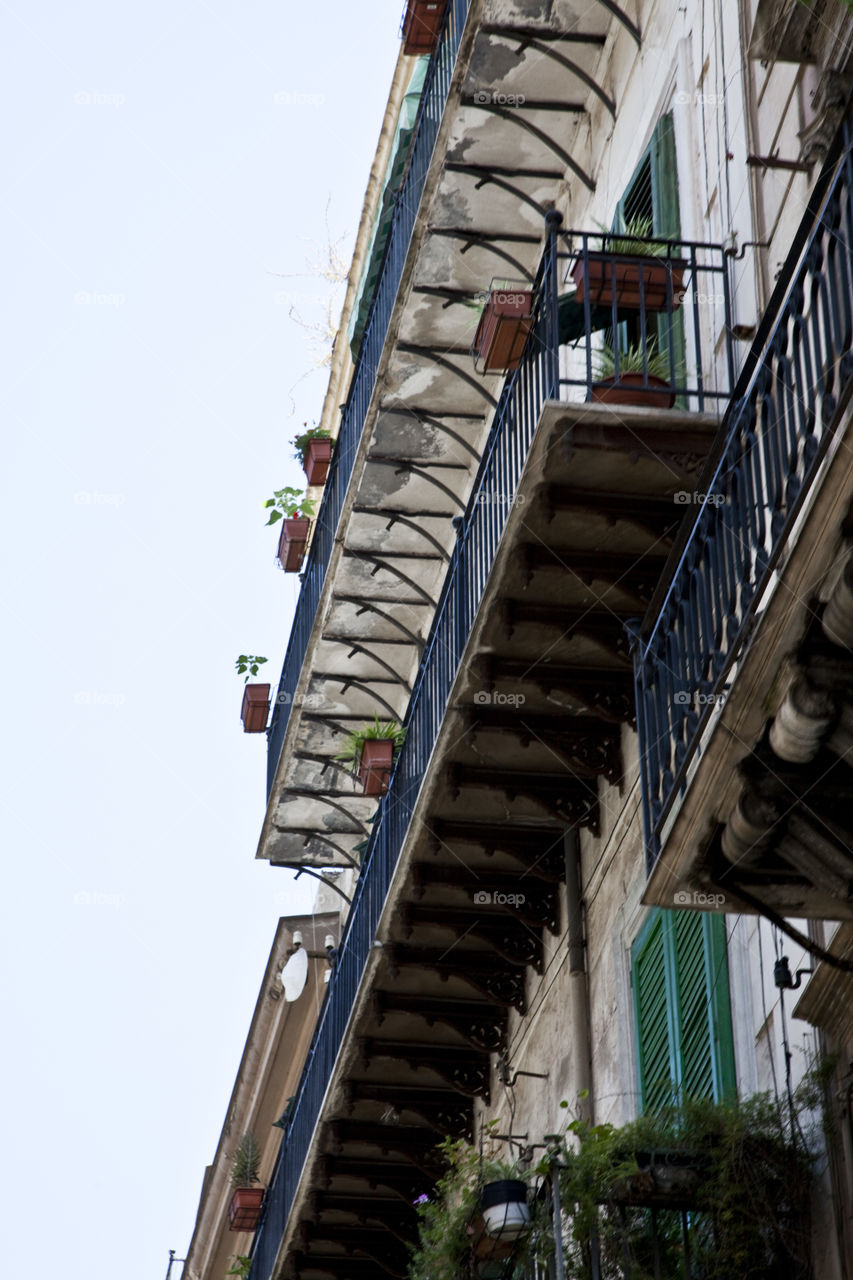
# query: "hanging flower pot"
422,26
316,459
292,543
371,749
503,329
485,1248
374,770
245,1209
611,276
625,377
256,707
631,389
504,1208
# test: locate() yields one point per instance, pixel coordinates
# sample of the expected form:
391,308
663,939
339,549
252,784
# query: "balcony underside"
533,722
516,125
767,819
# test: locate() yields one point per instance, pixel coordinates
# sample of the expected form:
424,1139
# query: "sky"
169,174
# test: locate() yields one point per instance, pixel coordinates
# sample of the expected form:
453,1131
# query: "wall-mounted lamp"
782,975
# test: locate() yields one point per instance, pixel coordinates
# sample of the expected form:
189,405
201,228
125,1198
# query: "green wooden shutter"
682,1008
652,1012
694,1010
653,193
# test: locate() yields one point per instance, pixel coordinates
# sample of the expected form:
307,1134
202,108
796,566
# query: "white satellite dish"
294,975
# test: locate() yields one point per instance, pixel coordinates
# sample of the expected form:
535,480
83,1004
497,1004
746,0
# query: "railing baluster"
778,425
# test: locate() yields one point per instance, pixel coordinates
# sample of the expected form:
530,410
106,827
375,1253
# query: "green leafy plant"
242,1265
290,503
355,741
737,1165
301,442
632,236
447,1218
632,360
246,1162
247,665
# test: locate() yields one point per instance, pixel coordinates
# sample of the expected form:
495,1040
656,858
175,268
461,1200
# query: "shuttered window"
683,1014
653,193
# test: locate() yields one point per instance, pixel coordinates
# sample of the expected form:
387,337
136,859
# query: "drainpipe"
578,982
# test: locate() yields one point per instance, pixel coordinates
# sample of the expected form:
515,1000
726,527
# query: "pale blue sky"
161,162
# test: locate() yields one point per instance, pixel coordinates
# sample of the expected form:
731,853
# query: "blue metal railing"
516,417
662,302
435,93
775,434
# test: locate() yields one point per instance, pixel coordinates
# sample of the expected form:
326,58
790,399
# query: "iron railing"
435,93
773,439
479,532
649,311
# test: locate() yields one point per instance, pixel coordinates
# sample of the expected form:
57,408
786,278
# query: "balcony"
517,714
489,159
743,663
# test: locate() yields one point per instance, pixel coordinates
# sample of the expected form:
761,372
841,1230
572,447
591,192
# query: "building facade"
613,864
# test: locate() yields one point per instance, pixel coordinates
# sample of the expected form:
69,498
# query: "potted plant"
505,323
615,270
624,377
422,26
741,1168
503,1204
247,1201
294,510
256,697
373,749
453,1237
313,448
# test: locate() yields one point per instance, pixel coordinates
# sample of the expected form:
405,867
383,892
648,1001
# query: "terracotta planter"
292,543
422,25
374,770
609,273
625,391
256,708
502,332
316,459
244,1211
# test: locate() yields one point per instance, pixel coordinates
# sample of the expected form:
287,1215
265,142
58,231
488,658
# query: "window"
680,975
